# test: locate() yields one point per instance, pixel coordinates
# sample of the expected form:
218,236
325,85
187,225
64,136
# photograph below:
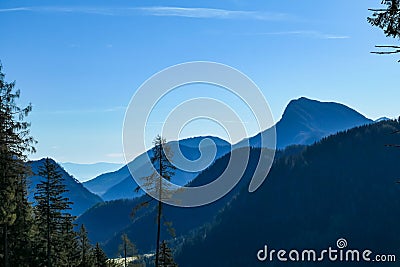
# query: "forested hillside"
342,187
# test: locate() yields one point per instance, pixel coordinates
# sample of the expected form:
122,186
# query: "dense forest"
343,186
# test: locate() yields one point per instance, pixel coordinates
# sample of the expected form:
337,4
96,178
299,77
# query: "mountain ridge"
86,171
120,184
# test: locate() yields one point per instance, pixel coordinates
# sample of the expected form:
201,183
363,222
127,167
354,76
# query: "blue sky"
79,62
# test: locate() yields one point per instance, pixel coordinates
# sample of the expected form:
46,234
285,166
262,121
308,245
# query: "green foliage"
387,18
85,248
100,258
22,230
55,242
69,247
15,211
165,256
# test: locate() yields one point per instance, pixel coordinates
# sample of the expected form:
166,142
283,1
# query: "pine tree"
15,142
70,248
22,230
100,258
51,215
165,257
85,248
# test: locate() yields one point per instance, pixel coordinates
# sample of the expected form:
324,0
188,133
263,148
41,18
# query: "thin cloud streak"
15,9
160,11
211,13
50,9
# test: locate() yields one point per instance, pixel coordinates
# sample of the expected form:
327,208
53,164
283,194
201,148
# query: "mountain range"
187,222
120,184
107,230
303,122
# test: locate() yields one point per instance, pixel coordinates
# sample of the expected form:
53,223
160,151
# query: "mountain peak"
382,119
304,99
42,160
318,108
305,121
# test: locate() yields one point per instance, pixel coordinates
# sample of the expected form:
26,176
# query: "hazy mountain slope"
103,182
78,194
125,189
104,221
120,184
186,220
343,187
142,230
85,172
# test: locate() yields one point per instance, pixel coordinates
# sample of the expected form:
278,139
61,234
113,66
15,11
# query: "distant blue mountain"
105,181
303,122
120,184
85,172
114,215
81,197
306,121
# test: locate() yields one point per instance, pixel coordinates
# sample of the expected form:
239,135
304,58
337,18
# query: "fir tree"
85,248
165,257
22,230
51,216
70,248
15,143
100,258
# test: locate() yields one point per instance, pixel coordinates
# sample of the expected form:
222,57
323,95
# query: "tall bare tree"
157,182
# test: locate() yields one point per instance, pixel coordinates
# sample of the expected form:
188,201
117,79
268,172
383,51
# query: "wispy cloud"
165,11
53,9
15,9
211,13
311,34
